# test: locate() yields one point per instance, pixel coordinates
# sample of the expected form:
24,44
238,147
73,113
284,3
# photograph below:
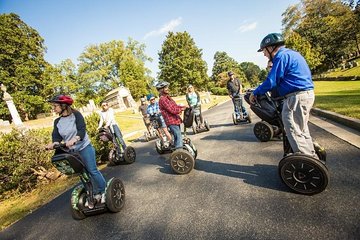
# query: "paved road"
234,193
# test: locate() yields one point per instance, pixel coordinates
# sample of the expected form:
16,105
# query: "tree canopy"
181,63
322,30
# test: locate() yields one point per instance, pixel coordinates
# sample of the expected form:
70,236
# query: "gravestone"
10,104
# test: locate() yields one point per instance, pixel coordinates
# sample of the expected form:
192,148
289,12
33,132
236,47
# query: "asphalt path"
234,192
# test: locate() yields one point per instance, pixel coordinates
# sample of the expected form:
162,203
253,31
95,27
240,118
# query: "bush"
219,91
101,148
20,152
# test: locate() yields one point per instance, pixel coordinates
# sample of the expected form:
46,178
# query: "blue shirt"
153,108
289,73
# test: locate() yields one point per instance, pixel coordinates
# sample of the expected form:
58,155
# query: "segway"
240,117
302,173
182,161
266,109
118,153
83,203
151,133
193,114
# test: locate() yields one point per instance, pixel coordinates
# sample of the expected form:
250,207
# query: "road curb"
344,120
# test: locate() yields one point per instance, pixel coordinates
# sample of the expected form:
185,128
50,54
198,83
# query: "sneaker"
88,204
100,198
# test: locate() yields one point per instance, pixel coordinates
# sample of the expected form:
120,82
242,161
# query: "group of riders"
290,76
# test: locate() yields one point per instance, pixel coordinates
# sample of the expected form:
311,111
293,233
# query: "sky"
233,26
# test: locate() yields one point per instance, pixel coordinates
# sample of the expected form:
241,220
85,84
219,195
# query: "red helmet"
62,99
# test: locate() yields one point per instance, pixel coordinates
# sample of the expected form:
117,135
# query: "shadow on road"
261,175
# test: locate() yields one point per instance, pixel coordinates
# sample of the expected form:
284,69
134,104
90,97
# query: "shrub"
219,91
101,148
20,152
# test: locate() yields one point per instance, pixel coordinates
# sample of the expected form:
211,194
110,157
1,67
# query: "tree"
252,72
329,28
106,66
223,63
22,66
180,62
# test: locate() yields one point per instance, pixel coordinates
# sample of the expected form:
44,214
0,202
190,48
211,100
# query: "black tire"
303,174
114,157
181,161
207,126
263,131
129,154
158,147
75,213
115,195
234,119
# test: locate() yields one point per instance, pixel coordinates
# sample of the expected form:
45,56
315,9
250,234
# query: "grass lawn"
355,71
17,207
342,97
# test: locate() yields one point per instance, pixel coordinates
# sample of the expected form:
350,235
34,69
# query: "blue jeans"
238,103
119,136
89,159
176,131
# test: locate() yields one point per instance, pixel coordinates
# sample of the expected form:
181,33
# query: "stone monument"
10,104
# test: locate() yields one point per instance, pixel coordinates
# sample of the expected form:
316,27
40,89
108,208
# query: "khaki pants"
295,117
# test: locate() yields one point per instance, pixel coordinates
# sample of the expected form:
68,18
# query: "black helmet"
230,73
161,85
272,39
62,99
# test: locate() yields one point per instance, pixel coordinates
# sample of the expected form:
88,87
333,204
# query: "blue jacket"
290,73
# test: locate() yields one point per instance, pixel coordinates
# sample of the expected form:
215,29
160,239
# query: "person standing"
142,109
70,128
107,120
170,111
290,75
193,100
234,88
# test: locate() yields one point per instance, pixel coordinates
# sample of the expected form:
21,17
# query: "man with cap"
170,111
291,77
234,88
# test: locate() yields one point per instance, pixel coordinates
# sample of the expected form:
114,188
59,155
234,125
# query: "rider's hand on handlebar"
252,98
71,142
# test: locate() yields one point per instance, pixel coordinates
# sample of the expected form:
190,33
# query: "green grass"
355,71
342,97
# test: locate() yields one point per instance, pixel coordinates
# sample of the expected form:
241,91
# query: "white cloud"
245,27
165,28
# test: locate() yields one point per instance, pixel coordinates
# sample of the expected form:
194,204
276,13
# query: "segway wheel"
77,214
207,126
115,195
303,174
263,131
158,147
234,119
181,161
129,154
114,157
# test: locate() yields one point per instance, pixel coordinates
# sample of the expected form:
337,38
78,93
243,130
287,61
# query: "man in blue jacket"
291,77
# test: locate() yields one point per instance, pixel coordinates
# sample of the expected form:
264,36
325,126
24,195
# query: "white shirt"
108,117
